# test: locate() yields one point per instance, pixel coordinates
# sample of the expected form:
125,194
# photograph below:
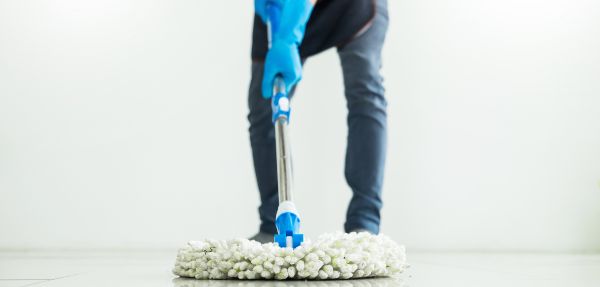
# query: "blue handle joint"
288,228
280,104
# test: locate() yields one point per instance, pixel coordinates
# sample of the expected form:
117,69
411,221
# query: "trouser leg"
367,123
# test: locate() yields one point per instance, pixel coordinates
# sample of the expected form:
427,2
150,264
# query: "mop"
330,256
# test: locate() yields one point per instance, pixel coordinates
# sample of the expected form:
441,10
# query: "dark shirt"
333,23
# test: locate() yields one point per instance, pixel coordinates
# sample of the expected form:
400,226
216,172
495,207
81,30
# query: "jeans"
367,124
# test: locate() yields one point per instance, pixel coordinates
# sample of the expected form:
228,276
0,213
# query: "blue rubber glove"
283,57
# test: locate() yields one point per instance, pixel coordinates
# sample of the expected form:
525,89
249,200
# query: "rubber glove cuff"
292,23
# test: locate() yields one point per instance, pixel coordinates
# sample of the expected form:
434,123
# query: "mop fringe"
330,256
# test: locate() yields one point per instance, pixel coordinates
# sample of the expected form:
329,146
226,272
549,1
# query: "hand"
283,59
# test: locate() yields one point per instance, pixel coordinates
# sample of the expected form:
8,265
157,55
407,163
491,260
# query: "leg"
262,140
367,121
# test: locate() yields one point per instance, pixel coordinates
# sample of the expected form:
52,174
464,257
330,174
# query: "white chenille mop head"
331,256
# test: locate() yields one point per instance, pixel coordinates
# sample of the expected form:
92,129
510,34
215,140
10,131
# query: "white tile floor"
148,269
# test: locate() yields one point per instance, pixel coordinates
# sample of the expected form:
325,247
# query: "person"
357,29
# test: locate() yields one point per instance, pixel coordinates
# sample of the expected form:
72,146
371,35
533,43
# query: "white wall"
122,124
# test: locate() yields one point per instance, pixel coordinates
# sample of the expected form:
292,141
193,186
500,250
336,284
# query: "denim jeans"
366,141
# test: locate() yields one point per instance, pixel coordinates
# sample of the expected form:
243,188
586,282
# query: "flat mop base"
331,256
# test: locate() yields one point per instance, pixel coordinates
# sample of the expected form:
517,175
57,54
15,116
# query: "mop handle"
287,220
280,102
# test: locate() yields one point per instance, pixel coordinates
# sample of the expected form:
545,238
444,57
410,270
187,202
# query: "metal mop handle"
287,220
281,112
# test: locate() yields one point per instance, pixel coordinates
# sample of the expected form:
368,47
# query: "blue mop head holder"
288,226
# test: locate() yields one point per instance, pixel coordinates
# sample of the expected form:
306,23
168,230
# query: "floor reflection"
372,282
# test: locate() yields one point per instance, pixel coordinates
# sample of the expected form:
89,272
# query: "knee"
365,93
367,101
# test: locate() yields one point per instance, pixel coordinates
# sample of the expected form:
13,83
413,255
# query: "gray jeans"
367,123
